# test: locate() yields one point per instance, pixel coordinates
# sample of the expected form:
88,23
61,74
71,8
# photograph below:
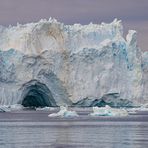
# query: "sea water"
34,129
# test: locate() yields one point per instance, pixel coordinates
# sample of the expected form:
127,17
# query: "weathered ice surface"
108,111
144,66
53,64
113,100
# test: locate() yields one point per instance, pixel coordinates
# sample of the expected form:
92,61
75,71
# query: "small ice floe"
45,109
108,111
64,113
4,108
135,110
16,107
143,107
132,110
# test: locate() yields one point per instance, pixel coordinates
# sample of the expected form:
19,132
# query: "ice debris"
16,107
108,111
45,109
64,113
4,108
139,109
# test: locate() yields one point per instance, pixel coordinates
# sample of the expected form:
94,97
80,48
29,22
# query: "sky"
133,13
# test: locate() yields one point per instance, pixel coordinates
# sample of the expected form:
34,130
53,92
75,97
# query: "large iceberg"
51,64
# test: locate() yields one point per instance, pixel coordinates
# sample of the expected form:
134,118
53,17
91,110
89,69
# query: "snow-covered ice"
45,109
108,111
64,112
16,107
4,108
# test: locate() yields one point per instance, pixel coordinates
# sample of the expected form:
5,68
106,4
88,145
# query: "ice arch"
36,94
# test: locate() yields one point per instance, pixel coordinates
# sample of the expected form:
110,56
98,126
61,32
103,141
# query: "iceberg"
64,113
49,64
108,111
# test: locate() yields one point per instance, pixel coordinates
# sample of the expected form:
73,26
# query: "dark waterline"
27,129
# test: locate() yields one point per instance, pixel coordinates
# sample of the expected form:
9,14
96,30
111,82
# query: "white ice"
45,109
108,111
16,107
64,113
135,110
4,108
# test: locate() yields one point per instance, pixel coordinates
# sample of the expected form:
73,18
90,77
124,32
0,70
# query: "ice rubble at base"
135,110
64,112
4,109
108,111
45,108
9,108
16,107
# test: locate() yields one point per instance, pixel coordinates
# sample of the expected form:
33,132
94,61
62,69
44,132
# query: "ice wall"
74,62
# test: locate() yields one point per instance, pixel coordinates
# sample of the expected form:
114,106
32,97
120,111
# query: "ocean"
34,129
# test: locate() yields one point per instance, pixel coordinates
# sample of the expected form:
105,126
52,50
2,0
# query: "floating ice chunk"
142,108
16,107
102,111
45,109
8,108
132,110
4,108
60,113
108,111
64,113
70,114
144,105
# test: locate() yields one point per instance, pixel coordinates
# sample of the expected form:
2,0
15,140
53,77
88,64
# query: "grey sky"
133,13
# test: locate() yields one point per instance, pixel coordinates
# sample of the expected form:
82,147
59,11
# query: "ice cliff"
51,64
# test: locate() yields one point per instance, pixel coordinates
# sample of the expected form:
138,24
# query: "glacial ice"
137,109
112,99
64,113
8,108
63,64
108,111
4,108
45,109
16,107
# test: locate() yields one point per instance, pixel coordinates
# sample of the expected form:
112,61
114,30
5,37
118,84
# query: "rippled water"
28,129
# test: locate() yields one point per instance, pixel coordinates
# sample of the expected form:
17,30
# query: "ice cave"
36,94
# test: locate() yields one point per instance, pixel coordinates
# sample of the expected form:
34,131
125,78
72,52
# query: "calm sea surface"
34,129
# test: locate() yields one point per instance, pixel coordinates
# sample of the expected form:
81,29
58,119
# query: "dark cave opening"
37,94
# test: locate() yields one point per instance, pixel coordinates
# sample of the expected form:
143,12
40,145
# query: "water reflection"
74,134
